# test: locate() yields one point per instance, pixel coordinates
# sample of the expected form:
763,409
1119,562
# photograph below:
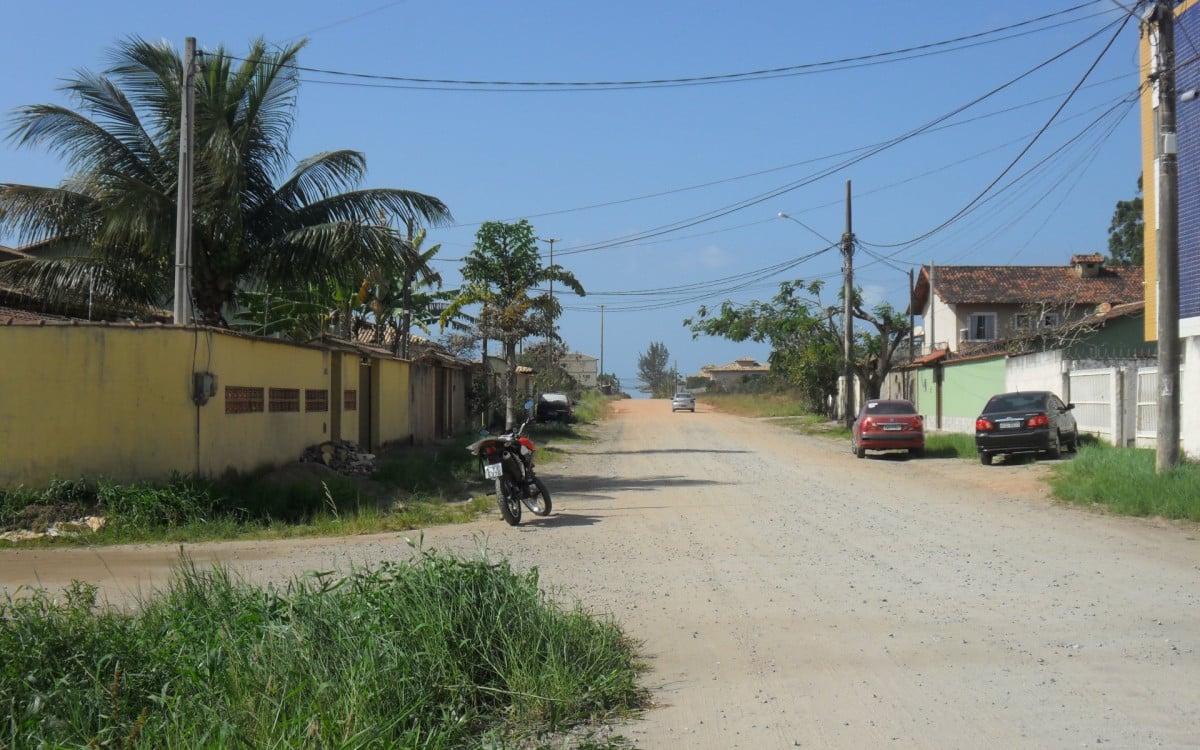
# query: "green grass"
410,488
1124,481
756,404
435,653
949,445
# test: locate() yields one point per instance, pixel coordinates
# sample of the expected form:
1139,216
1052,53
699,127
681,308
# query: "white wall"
1189,390
1041,371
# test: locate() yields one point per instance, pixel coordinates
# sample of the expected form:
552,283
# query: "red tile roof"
1018,285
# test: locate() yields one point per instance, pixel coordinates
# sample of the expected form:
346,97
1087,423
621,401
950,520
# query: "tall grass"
772,404
1124,480
409,488
436,653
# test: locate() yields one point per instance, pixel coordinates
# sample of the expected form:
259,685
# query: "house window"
1051,319
351,401
982,327
284,399
240,399
316,399
1021,322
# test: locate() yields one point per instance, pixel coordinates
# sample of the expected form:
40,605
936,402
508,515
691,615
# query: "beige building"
730,376
582,367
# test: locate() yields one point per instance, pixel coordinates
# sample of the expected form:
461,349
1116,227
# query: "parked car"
888,424
555,407
1025,422
683,400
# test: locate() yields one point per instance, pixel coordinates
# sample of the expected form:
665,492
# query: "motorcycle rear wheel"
538,501
506,498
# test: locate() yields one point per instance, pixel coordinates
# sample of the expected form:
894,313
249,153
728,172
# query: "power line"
1024,151
376,80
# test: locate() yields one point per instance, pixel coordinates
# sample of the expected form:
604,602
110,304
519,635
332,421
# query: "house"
966,308
731,376
581,367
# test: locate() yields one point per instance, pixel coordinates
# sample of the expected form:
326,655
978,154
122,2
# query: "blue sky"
663,198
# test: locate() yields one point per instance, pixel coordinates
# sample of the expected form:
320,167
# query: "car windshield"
890,407
683,395
1014,402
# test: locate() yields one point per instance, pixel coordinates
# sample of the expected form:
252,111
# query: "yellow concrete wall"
248,441
115,401
91,400
394,413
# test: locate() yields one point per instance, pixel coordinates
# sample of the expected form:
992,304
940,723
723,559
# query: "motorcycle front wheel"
506,498
538,500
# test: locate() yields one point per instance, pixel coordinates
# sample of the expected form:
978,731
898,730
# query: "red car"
888,424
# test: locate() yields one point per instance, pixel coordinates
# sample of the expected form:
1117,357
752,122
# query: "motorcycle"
508,459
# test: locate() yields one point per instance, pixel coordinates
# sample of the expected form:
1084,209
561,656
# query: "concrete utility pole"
182,312
848,314
1167,233
602,340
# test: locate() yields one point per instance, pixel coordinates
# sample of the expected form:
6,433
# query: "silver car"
683,400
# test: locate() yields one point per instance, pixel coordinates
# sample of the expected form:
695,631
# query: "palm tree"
259,221
499,273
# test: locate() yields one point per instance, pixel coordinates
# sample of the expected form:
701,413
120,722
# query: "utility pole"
601,340
848,314
909,391
1167,235
182,312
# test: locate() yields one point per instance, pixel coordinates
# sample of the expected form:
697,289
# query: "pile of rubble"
343,456
89,524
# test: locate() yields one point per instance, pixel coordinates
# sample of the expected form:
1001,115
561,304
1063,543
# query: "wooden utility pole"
182,312
848,315
1167,235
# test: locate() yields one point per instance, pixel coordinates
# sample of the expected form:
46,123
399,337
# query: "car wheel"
859,451
1055,448
985,458
916,452
1073,446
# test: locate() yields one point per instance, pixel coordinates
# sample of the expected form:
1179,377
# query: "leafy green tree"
806,337
545,357
394,297
653,374
260,219
1126,240
499,275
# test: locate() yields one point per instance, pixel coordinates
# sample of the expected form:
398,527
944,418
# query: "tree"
499,273
1126,240
653,374
608,383
255,223
550,376
806,338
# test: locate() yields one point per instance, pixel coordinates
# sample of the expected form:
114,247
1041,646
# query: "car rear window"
890,407
1013,402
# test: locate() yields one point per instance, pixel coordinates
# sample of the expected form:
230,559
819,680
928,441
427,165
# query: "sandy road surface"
790,595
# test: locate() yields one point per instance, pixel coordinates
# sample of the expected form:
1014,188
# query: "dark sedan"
1025,422
555,407
888,424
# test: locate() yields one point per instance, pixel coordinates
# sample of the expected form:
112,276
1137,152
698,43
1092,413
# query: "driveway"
790,595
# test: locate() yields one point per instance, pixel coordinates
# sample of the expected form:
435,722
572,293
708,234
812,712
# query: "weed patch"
436,653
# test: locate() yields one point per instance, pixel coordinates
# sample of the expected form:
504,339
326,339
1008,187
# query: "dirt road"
790,595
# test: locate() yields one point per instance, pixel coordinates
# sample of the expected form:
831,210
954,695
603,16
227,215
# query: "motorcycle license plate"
492,471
